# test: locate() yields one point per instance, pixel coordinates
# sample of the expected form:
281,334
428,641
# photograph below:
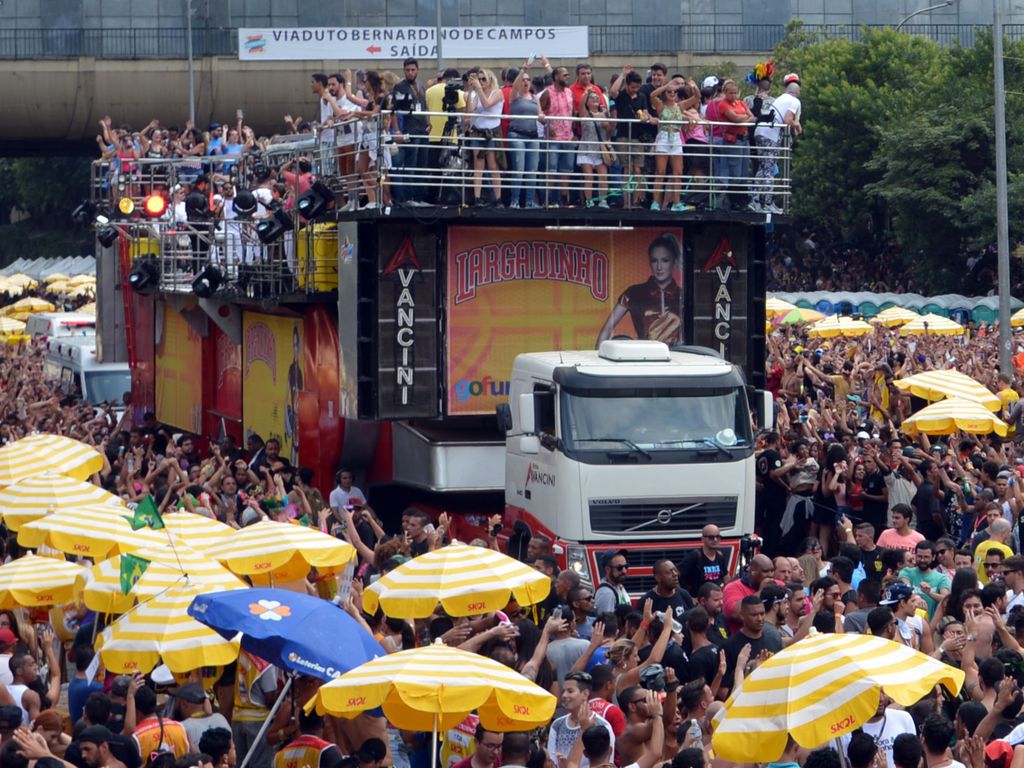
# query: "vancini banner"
397,43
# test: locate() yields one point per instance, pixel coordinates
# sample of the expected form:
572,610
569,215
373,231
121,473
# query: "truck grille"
647,518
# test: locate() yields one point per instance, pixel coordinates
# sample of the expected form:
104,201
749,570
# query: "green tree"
852,93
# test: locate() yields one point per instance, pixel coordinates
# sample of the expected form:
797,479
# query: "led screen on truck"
514,290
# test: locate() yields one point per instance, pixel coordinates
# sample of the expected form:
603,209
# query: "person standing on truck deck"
610,592
704,564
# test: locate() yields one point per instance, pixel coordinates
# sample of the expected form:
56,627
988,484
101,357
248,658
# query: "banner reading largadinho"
397,43
513,290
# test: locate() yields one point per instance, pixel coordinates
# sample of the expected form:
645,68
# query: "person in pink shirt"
901,535
298,183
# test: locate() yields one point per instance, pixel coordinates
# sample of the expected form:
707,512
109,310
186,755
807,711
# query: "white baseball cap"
710,82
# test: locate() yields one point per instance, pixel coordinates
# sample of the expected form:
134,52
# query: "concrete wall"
54,14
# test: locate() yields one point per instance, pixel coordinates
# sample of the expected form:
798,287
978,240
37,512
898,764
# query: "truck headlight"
576,560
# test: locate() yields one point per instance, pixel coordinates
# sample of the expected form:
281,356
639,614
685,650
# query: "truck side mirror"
504,417
527,420
529,444
765,409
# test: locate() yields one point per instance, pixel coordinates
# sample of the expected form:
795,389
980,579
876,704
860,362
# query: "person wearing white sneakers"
768,139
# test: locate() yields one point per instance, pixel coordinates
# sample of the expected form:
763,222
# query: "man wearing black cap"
912,630
611,592
94,743
372,754
196,713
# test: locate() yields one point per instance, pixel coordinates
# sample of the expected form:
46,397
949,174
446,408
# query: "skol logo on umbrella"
270,610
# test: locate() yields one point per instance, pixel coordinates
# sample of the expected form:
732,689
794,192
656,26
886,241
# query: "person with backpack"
611,592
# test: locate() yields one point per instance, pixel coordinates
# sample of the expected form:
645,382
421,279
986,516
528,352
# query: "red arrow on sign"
374,49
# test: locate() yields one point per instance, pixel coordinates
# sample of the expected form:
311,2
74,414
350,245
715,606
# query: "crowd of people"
866,529
530,136
819,259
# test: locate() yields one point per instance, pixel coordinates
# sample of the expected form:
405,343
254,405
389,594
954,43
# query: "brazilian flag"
132,568
146,515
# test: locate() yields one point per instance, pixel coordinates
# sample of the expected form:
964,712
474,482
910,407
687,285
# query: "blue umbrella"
291,630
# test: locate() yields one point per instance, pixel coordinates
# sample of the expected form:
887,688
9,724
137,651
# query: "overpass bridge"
57,83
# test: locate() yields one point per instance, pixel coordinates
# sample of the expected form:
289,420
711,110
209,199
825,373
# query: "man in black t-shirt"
870,555
772,495
752,616
875,494
707,563
666,595
931,523
633,141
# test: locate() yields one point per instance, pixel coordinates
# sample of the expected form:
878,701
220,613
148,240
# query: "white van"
72,361
52,325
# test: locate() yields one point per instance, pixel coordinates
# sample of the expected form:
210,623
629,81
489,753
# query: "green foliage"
901,130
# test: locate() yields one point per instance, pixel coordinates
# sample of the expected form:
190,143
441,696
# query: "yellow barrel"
319,271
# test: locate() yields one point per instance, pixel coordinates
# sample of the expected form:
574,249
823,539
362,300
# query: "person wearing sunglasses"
612,591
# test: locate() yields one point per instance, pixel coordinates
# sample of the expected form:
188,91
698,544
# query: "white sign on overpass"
397,43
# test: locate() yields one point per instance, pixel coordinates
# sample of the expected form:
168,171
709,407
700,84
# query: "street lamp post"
191,74
1002,217
944,4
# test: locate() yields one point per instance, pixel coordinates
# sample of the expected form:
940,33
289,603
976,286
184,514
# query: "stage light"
271,228
245,203
315,200
155,206
107,235
145,275
83,215
207,282
126,206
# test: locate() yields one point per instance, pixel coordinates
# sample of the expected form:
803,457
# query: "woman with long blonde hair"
485,99
624,654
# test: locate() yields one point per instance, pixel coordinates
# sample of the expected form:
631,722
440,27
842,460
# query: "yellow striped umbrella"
955,414
936,325
29,304
89,309
161,629
175,564
894,316
169,566
56,277
436,687
821,688
57,288
82,280
100,587
31,581
38,453
96,532
41,495
835,325
798,316
466,580
936,385
773,307
88,290
9,325
282,551
200,533
21,280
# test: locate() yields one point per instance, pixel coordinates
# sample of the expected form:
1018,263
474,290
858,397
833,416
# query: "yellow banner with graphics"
179,369
272,377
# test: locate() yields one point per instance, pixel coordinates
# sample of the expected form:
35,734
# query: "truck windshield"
649,420
102,386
